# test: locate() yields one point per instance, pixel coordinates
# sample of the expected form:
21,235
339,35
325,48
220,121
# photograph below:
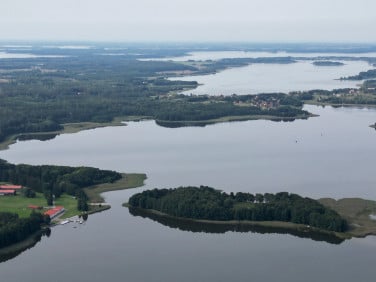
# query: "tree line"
14,229
89,88
53,181
207,203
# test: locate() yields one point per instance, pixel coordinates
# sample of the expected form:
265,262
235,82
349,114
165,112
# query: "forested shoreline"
42,94
53,181
14,229
209,204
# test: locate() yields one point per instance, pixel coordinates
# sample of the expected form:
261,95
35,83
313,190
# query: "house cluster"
263,103
9,190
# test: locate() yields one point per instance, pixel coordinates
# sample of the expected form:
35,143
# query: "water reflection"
17,249
200,227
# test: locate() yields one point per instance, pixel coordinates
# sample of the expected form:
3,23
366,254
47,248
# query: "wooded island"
206,203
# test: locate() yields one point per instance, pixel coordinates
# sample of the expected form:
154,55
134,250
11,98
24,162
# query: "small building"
4,192
55,211
10,187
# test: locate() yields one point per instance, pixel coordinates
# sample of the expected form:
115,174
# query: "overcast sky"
189,20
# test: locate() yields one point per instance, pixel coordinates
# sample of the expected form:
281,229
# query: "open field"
129,180
19,204
357,212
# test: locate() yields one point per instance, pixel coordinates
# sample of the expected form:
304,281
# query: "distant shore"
69,128
167,123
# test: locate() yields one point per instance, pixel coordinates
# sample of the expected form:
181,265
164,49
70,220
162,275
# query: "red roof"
15,187
7,191
54,211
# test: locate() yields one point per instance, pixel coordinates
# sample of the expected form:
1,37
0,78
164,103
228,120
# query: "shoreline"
167,123
269,224
356,211
70,128
128,181
15,249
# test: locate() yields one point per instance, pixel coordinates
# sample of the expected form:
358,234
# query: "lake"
268,78
327,156
7,55
218,55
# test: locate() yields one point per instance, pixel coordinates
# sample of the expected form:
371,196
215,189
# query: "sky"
189,20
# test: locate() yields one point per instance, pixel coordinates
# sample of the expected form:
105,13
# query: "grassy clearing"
70,205
19,204
129,180
357,212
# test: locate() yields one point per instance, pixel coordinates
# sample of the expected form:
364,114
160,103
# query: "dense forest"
53,181
14,229
41,94
210,204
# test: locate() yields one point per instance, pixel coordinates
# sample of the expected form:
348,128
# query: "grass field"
357,212
19,204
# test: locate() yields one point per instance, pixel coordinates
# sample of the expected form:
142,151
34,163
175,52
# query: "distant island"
327,63
209,204
342,219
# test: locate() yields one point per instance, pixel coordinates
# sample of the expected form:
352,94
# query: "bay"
331,155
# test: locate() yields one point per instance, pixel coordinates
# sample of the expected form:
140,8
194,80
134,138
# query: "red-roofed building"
54,212
7,192
8,187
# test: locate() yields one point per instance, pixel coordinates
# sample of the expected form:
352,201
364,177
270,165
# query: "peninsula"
44,193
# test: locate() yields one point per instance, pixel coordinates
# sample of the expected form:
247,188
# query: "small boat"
64,222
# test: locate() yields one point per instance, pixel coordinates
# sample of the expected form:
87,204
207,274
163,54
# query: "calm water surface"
268,78
331,155
218,55
6,55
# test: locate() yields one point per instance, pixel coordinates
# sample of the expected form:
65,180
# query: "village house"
9,190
